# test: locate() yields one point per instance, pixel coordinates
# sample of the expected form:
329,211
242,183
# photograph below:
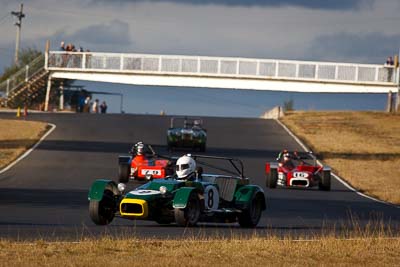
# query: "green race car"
186,133
199,198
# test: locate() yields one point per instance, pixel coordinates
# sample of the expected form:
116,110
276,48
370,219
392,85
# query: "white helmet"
185,165
139,147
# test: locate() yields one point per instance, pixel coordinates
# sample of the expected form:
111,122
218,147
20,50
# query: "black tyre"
189,215
250,217
123,173
202,148
272,178
325,182
102,212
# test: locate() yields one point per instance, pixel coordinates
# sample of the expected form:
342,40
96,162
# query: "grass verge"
361,147
16,136
208,252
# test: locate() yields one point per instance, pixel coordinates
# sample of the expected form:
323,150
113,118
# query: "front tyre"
250,217
190,214
102,212
123,173
325,182
272,178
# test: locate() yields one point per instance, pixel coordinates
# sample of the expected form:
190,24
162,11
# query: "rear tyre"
272,178
325,182
250,217
189,215
102,212
123,173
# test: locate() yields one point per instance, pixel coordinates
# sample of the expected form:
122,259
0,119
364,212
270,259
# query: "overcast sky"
363,31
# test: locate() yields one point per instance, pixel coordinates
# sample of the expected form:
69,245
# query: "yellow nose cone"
134,208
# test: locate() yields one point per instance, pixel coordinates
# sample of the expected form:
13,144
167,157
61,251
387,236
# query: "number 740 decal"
150,171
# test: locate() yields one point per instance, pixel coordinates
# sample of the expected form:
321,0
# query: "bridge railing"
23,75
223,67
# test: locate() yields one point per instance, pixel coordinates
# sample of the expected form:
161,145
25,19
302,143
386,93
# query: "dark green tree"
288,105
25,57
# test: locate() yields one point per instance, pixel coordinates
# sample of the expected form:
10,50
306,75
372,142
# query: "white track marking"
53,126
306,149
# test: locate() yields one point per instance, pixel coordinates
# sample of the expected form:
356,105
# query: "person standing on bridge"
390,61
95,106
62,46
103,107
86,107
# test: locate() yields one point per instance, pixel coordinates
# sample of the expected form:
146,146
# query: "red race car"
300,171
144,165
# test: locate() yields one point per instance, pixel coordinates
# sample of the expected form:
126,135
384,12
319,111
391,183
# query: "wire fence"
22,76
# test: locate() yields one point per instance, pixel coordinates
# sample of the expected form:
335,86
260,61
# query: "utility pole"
19,15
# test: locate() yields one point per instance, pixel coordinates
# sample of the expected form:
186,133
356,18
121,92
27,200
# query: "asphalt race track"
45,195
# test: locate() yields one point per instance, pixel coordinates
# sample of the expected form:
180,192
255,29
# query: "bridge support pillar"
61,106
393,102
46,103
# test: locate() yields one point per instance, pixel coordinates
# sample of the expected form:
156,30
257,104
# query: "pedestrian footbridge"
223,72
199,71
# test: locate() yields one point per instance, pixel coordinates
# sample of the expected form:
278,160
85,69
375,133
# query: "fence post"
46,55
46,103
61,106
26,73
389,105
397,107
8,87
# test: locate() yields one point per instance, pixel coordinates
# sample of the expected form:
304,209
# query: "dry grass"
16,136
227,252
362,147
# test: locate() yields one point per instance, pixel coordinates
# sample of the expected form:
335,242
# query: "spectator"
62,46
81,102
103,107
389,61
95,106
86,107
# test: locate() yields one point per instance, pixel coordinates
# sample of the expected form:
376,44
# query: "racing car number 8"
211,197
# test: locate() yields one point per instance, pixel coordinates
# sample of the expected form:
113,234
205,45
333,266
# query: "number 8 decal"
211,197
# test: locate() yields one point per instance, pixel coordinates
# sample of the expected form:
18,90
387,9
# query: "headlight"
163,190
121,187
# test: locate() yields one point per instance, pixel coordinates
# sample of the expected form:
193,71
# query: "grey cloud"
113,33
364,48
312,4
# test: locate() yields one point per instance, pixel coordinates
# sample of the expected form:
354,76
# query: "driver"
185,168
137,149
139,154
196,124
285,159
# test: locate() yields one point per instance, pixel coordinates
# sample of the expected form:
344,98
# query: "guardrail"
222,67
23,75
